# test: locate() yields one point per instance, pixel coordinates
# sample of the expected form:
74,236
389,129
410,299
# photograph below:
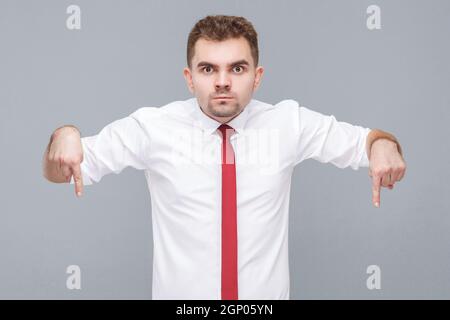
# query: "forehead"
222,52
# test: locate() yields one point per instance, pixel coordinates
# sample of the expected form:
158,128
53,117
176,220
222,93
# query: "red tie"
229,223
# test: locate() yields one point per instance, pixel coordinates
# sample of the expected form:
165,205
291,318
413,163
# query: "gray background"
130,54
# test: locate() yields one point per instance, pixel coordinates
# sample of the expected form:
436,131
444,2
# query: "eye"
207,69
238,69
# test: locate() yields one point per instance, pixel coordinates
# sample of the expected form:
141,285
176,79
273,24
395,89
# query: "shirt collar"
209,125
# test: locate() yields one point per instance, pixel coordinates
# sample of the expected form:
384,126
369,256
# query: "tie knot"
226,130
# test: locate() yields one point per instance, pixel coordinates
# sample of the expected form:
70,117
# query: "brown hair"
219,28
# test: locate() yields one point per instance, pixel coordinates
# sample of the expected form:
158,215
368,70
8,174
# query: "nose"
222,81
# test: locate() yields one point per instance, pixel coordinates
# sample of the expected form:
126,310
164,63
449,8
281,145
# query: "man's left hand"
386,167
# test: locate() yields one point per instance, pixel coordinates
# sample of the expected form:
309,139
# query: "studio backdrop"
378,64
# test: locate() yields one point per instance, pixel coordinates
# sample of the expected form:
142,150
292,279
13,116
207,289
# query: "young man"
219,167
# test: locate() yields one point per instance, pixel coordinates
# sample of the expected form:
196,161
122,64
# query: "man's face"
223,77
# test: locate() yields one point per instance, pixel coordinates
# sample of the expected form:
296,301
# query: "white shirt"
178,147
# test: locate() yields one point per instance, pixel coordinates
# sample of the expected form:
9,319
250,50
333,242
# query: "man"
219,167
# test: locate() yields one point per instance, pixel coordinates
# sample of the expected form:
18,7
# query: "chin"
224,111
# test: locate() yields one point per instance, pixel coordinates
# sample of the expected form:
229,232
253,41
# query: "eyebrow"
239,62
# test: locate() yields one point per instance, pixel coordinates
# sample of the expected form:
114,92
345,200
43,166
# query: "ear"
258,76
188,77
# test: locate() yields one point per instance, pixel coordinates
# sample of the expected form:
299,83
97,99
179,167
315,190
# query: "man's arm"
327,140
323,138
121,143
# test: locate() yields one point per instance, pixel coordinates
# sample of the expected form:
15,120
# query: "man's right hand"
63,157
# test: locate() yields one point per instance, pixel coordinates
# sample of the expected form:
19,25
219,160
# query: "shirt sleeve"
323,138
120,144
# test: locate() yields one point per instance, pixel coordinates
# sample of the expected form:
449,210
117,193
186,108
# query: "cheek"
202,84
245,85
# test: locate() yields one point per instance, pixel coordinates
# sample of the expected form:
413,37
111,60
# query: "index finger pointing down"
376,183
78,180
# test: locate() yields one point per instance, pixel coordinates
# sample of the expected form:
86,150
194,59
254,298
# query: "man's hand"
386,166
64,156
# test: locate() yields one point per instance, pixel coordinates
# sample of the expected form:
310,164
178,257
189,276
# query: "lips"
223,97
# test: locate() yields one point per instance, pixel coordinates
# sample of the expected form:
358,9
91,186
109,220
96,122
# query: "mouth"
223,98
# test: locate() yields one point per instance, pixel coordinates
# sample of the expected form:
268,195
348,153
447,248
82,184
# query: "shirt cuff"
84,172
365,159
